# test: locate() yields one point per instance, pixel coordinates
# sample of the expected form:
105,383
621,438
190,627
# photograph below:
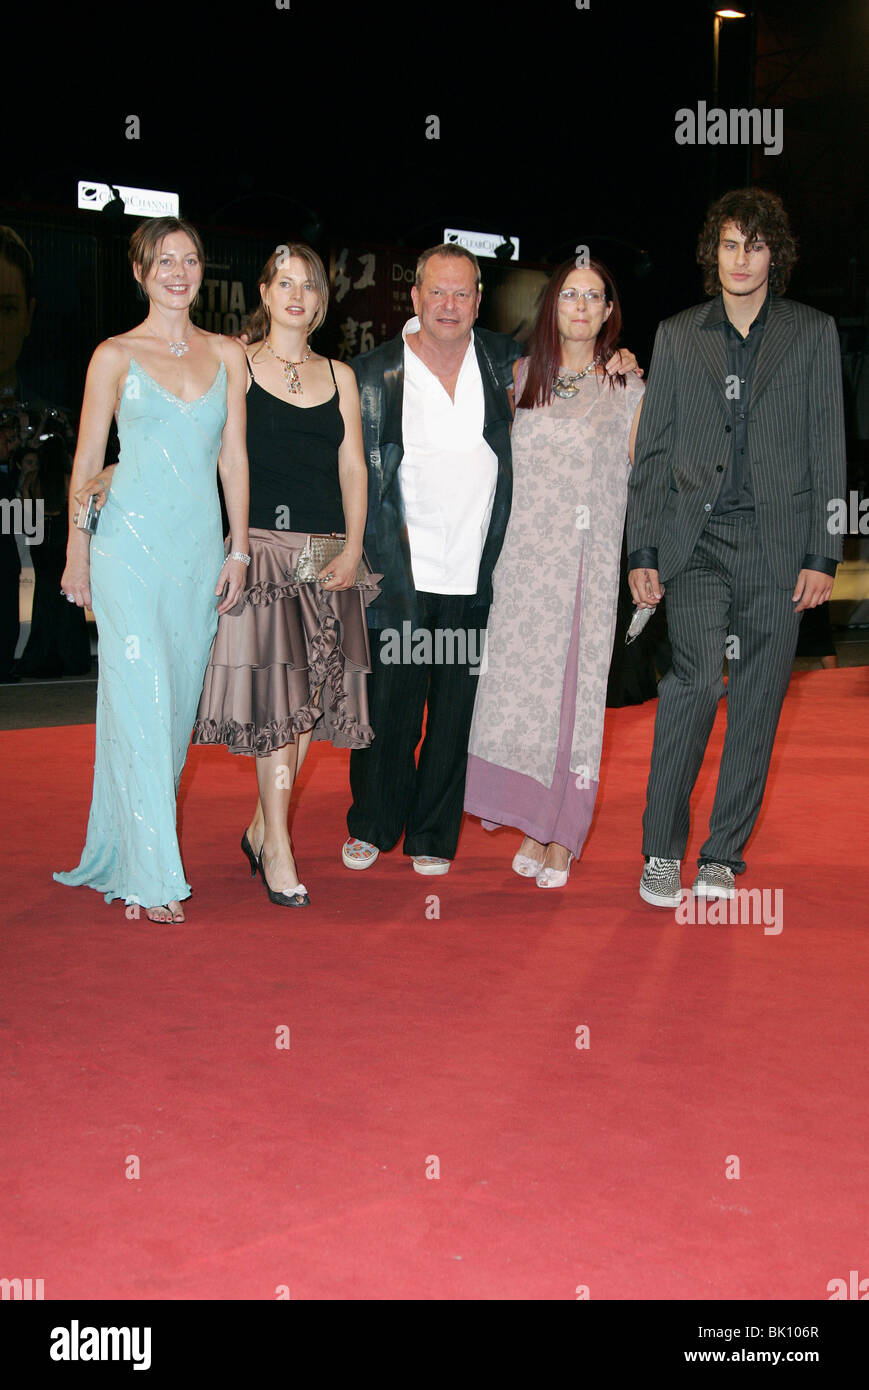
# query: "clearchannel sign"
138,202
494,244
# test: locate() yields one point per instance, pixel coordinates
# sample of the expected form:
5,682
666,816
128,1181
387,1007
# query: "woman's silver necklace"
177,349
566,383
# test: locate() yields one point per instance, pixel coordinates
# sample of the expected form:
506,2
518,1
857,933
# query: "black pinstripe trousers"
725,602
390,791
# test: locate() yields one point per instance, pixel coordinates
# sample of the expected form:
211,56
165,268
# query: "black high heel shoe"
248,850
297,899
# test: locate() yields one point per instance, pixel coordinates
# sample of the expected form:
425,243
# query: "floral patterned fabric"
562,547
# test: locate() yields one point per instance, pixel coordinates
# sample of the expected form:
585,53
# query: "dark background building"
555,124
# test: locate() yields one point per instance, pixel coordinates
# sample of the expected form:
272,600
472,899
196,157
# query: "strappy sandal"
525,865
164,907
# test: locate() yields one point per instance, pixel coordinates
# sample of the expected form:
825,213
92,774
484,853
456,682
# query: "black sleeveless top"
293,455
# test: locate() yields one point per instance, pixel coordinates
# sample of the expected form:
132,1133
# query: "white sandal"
525,866
554,878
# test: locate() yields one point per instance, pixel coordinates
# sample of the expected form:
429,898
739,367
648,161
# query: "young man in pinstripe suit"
740,447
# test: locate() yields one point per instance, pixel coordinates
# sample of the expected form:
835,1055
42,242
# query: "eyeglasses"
590,296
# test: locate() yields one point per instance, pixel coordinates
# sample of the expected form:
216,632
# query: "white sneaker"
358,854
661,884
714,881
430,864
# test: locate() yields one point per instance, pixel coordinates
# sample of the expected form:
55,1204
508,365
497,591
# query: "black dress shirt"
741,354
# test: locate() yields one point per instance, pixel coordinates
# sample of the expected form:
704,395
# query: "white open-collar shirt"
447,475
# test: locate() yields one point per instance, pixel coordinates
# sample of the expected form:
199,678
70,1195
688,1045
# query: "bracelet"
239,555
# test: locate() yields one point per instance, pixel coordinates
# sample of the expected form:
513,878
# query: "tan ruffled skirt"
287,658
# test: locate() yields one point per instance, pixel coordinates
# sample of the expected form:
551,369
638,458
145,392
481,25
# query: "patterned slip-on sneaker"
358,854
661,884
714,881
430,864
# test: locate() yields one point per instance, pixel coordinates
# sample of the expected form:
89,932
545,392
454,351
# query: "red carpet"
416,1036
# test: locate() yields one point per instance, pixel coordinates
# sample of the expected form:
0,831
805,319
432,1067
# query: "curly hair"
756,213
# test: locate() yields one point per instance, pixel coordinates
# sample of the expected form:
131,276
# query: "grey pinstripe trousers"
726,590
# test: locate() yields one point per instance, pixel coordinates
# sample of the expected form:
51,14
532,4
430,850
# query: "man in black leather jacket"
436,414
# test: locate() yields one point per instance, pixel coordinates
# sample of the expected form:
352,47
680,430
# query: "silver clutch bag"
88,515
317,553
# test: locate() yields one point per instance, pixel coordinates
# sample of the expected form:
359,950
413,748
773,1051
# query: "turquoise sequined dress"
155,558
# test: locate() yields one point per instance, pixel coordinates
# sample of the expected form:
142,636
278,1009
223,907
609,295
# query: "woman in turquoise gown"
154,569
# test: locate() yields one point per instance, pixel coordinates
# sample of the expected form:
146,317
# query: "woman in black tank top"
289,662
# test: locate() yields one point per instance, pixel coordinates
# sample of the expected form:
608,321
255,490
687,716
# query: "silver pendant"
566,384
178,349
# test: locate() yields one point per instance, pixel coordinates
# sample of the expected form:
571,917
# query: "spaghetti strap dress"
290,657
154,562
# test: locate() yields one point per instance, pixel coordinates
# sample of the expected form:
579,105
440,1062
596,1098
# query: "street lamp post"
720,17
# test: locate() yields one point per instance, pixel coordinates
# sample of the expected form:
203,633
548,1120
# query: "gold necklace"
291,376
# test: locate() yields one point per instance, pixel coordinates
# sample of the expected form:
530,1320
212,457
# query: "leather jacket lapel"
496,405
391,415
496,432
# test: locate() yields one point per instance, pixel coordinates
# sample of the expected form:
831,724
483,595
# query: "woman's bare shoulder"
344,374
112,356
234,352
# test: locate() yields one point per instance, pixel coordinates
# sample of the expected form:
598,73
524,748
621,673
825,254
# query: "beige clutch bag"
318,551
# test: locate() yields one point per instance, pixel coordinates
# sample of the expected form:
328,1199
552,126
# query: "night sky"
556,124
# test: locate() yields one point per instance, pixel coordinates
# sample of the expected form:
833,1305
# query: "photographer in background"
59,644
16,311
10,563
27,424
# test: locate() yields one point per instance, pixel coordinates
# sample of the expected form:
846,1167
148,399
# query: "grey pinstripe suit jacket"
795,430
